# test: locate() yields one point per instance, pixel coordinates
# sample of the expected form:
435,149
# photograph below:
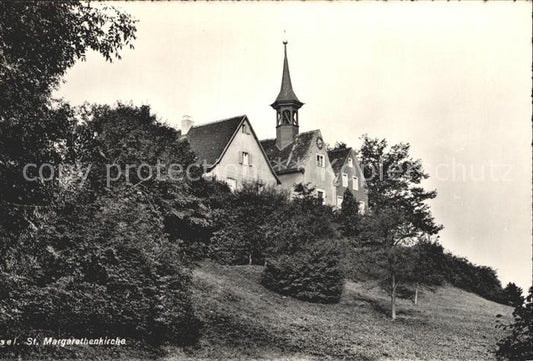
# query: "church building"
298,157
231,152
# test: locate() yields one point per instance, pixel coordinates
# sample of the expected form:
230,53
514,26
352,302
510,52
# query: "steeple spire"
286,93
286,105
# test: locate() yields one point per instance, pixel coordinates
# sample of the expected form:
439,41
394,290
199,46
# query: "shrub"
102,269
229,245
304,219
348,217
247,220
256,223
512,295
239,239
517,345
363,263
426,263
481,280
311,274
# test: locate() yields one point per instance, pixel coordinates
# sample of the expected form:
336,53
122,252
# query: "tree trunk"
393,297
416,294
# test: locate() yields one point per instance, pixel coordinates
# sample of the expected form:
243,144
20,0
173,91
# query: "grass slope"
244,321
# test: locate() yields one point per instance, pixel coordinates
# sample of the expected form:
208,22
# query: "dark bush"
246,221
229,245
517,345
261,222
214,197
426,263
512,295
105,269
363,263
348,216
311,274
481,280
428,260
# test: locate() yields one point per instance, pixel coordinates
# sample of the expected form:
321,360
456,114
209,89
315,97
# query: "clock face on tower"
319,143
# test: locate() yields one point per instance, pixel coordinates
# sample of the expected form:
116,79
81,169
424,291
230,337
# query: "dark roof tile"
208,141
290,158
337,158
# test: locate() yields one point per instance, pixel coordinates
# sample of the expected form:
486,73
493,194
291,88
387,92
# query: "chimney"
186,124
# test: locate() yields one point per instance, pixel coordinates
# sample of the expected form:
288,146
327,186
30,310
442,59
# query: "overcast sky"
452,79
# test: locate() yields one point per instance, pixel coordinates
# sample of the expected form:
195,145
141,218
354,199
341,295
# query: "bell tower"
286,106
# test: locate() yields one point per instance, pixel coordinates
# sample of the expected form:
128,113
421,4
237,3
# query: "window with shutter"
344,180
245,158
355,185
320,161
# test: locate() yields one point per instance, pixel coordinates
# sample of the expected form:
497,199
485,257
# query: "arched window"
286,117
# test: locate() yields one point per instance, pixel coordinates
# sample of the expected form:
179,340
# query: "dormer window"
350,162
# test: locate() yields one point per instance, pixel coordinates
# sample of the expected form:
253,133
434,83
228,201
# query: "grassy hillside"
243,321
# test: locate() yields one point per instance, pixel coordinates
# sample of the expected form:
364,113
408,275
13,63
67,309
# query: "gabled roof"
210,141
337,158
290,158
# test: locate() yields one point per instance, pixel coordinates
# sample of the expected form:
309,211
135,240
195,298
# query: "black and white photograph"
266,180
